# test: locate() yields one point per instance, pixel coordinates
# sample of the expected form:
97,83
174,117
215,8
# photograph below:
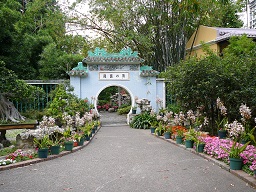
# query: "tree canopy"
29,29
157,29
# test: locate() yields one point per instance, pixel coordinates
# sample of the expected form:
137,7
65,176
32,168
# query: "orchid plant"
222,115
248,134
235,130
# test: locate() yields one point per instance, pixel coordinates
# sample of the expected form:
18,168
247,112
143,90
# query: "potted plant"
43,146
68,140
199,140
235,131
180,134
154,124
55,141
87,130
222,120
167,132
79,137
190,138
96,124
159,130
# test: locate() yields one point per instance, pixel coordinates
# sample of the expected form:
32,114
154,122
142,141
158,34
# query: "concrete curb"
50,157
239,173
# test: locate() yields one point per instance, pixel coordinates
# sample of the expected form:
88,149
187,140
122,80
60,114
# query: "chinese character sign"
114,76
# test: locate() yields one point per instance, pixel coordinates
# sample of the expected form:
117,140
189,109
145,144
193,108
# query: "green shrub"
7,150
34,114
175,108
124,110
125,106
142,121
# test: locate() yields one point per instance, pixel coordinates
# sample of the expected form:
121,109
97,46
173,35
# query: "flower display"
20,155
253,166
178,130
235,129
4,162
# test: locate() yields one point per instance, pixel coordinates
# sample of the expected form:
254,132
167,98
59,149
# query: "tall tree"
29,28
157,29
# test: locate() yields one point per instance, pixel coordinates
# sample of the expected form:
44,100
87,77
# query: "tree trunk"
8,111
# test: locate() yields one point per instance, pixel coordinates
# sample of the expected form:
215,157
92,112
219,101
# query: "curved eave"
149,74
78,73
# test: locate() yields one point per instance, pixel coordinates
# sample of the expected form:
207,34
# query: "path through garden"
123,159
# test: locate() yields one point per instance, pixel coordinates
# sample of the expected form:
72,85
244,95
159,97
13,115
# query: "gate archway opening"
120,96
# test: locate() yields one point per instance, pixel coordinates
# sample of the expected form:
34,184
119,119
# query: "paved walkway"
121,159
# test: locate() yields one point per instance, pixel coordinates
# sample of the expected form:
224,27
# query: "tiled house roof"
226,33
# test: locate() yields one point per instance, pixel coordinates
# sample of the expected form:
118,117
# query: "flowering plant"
235,131
248,134
190,134
20,155
179,119
196,120
253,166
4,162
222,120
178,130
42,142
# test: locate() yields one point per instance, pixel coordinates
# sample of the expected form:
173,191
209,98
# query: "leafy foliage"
33,40
157,29
64,101
142,121
199,82
123,110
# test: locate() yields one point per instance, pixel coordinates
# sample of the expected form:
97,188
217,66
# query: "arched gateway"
121,69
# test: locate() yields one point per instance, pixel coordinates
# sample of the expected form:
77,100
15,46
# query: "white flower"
220,105
206,121
176,119
245,112
235,129
165,118
159,117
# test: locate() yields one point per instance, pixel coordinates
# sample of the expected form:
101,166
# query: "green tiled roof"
79,70
126,55
147,71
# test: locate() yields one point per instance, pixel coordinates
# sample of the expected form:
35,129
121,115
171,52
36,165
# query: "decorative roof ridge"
79,70
101,55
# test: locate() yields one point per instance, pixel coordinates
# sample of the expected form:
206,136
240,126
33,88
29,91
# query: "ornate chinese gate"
121,69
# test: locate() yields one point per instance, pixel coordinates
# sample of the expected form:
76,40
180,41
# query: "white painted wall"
142,87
